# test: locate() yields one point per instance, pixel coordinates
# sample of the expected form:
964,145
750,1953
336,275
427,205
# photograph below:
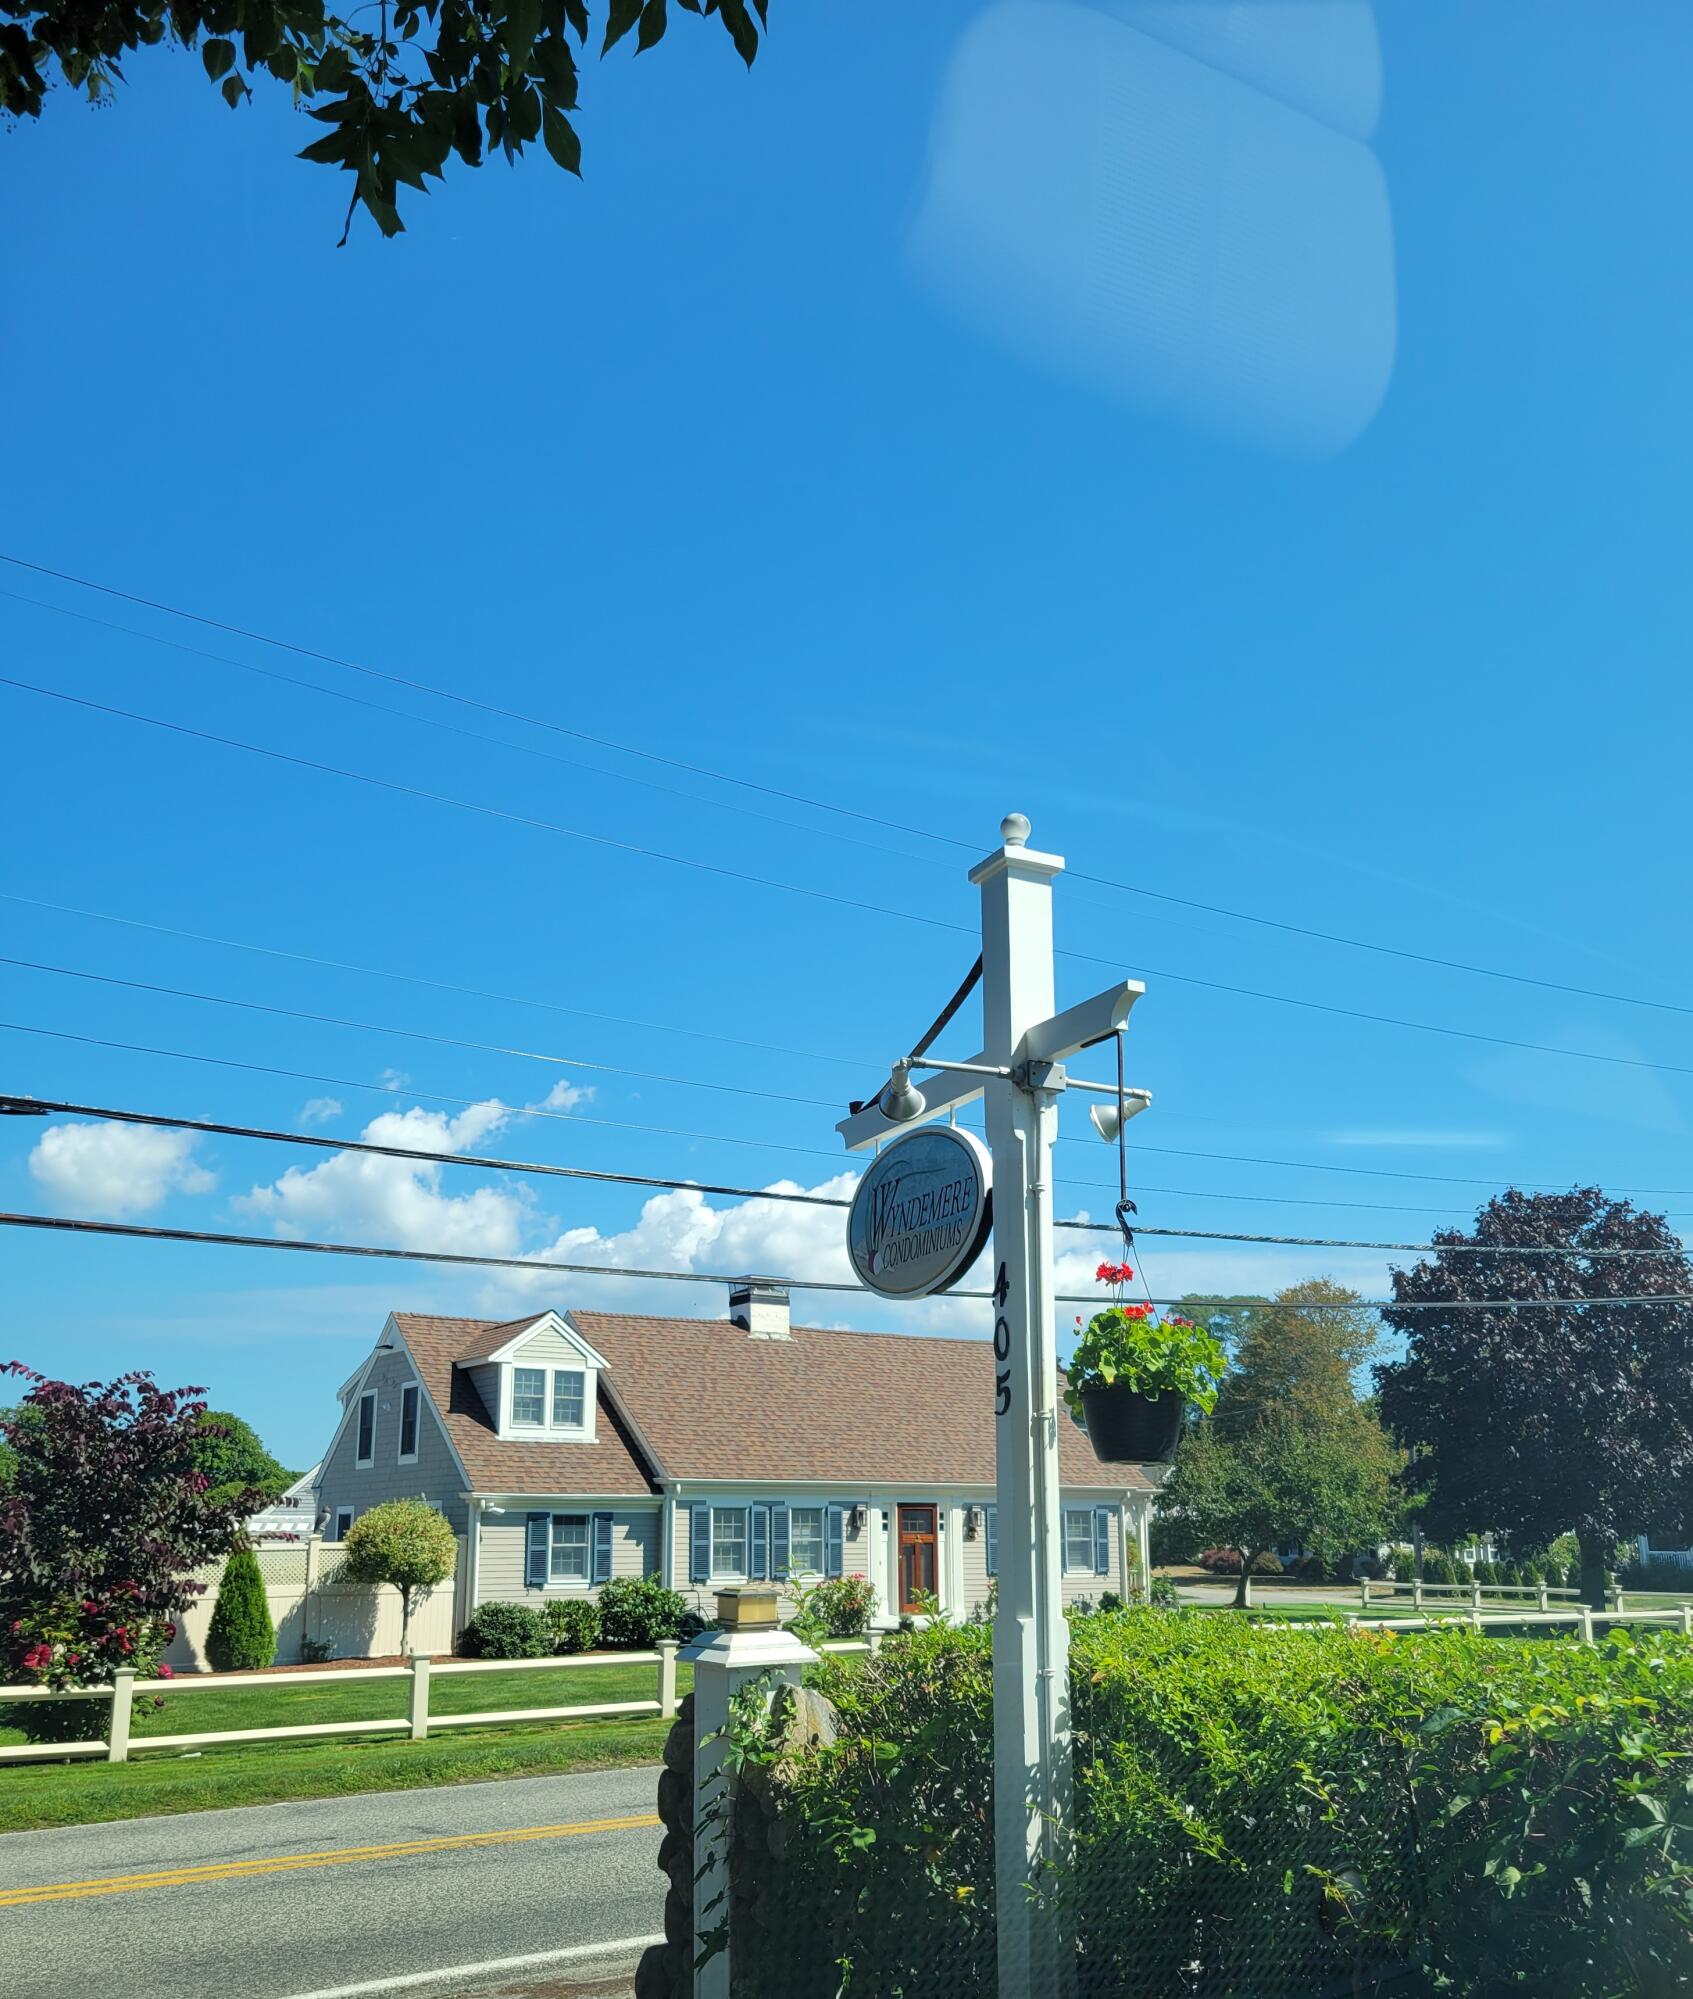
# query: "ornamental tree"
404,1542
399,88
102,1529
1559,1408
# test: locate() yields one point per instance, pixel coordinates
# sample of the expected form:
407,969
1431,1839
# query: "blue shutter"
758,1544
535,1569
781,1559
834,1557
699,1564
1102,1541
601,1570
992,1513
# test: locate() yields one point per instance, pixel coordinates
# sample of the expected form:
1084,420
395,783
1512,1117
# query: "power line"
76,1225
485,811
487,707
473,735
801,798
46,1107
435,985
411,1033
823,895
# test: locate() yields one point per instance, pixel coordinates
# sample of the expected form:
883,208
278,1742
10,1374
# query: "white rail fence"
417,1722
1472,1596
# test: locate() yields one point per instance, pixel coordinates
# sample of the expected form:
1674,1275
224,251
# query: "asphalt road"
238,1909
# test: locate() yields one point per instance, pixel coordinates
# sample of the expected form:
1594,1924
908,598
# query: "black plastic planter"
1129,1429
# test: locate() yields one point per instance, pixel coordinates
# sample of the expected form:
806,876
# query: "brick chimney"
760,1309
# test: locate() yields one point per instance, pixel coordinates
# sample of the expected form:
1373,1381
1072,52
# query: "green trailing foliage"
506,1631
1344,1812
399,90
241,1637
574,1623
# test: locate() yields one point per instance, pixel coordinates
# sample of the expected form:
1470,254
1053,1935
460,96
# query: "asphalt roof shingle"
825,1407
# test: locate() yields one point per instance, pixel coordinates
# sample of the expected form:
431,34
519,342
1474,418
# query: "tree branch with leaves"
402,86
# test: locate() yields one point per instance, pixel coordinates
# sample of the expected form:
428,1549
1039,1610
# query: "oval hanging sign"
922,1212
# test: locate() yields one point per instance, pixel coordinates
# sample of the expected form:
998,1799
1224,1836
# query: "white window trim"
795,1572
1085,1514
584,1581
744,1509
364,1463
347,1514
563,1433
415,1390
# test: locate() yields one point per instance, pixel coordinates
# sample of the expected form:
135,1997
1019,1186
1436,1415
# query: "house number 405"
1001,1344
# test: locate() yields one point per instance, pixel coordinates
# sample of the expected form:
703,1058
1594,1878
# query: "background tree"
1545,1416
1290,1453
241,1637
233,1459
106,1520
414,83
403,1542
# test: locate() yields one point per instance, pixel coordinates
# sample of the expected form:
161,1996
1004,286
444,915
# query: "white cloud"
113,1170
320,1110
564,1096
398,1202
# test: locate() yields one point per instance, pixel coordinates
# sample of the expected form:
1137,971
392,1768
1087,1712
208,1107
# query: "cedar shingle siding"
435,1476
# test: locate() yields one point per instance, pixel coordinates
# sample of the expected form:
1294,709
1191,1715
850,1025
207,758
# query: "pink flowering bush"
102,1528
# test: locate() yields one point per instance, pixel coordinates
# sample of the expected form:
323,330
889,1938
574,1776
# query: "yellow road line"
284,1863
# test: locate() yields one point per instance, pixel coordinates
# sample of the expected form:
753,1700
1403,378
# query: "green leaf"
560,138
621,16
523,24
233,91
332,150
576,13
741,30
652,25
334,70
219,58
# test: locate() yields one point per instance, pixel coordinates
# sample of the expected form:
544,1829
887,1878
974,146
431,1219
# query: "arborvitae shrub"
241,1638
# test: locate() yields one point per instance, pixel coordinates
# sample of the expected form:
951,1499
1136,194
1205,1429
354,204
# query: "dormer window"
529,1396
567,1398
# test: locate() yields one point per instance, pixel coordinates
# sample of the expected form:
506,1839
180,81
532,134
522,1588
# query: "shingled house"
570,1447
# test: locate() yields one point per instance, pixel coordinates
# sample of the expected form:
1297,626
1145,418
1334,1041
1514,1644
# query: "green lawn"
268,1772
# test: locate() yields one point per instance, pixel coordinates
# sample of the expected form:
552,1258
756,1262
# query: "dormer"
539,1381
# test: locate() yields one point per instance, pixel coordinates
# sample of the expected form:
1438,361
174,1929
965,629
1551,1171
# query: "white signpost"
1020,1075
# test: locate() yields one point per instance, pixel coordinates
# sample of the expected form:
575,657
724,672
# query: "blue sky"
1283,503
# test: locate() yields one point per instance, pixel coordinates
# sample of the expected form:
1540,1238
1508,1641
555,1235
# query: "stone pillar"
724,1662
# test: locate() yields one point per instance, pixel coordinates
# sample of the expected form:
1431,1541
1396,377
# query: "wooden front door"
916,1555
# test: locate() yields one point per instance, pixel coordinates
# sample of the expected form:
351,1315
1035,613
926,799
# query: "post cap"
1014,829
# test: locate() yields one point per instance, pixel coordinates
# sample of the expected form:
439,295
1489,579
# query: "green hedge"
1259,1813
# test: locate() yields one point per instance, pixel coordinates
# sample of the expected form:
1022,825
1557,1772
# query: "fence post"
419,1696
123,1704
1687,1620
667,1648
876,1638
1545,1595
724,1662
1475,1595
314,1545
1616,1596
1416,1592
1364,1593
1586,1624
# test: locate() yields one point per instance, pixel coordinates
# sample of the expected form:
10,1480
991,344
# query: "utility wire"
76,1225
477,735
435,985
411,1033
819,804
30,1106
817,894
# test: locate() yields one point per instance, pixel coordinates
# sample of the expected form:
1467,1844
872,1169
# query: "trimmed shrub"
1110,1601
1437,1566
403,1542
638,1611
1461,1570
241,1637
506,1631
1221,1561
1485,1572
1266,1564
1312,1569
574,1623
1252,1817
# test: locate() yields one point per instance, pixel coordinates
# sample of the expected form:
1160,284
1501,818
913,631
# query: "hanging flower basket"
1133,1374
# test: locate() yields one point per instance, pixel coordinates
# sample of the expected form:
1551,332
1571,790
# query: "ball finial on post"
1014,829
